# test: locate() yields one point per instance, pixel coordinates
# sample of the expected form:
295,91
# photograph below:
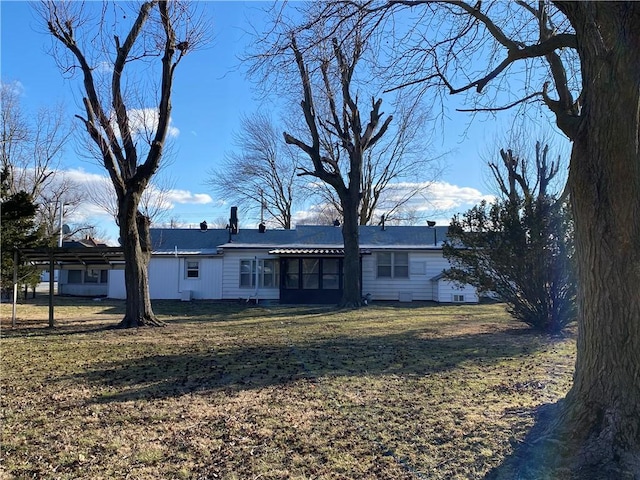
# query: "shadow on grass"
538,455
172,311
236,368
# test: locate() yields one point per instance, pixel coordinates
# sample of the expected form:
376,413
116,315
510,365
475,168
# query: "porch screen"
310,273
291,273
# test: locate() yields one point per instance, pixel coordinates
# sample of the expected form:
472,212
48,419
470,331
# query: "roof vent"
203,226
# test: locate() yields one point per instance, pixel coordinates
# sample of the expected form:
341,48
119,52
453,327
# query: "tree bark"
602,410
352,292
136,245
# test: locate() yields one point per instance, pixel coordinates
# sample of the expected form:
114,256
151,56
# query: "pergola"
61,258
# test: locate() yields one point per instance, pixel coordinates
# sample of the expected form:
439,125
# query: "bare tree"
160,35
154,201
396,171
587,57
344,125
31,147
261,174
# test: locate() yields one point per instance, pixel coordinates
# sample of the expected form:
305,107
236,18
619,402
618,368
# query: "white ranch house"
303,265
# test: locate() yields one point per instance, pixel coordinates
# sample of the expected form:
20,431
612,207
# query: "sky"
211,93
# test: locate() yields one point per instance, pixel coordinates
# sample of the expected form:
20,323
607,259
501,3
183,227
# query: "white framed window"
247,273
268,273
192,269
393,264
265,270
458,297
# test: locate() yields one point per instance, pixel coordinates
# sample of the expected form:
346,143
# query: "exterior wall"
231,289
423,265
219,278
168,280
444,292
116,285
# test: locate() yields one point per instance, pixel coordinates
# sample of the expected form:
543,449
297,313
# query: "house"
85,279
302,265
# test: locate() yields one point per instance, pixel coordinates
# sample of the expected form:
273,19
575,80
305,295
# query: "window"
247,273
458,297
401,265
268,273
192,268
384,264
331,273
91,276
267,270
88,276
74,276
393,264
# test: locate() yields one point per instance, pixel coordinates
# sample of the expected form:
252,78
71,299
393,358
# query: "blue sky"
210,95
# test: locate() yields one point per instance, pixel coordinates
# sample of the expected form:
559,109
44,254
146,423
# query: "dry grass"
224,391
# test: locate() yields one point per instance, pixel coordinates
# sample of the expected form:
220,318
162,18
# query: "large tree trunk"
602,416
136,244
352,293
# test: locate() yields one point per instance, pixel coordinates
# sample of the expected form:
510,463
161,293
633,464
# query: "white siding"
167,279
231,289
446,292
116,285
423,265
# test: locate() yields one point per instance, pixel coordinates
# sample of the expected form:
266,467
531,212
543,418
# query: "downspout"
257,278
175,254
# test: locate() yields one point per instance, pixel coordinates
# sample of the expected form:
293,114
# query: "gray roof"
195,241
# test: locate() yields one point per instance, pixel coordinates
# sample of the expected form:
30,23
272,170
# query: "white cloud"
437,200
445,196
187,197
104,67
78,175
16,87
145,120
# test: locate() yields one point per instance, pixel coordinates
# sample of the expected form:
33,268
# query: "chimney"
233,221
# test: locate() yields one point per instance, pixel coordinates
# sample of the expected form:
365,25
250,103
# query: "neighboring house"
86,281
304,265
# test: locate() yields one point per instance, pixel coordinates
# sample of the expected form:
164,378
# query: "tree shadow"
247,367
537,456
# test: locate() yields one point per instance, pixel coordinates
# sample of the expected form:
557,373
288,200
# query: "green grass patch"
233,392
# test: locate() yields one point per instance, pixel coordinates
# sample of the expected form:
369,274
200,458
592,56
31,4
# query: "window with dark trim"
331,274
311,273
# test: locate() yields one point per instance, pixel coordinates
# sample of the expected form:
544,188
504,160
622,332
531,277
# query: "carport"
61,258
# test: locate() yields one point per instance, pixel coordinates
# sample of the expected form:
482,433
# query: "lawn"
399,391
